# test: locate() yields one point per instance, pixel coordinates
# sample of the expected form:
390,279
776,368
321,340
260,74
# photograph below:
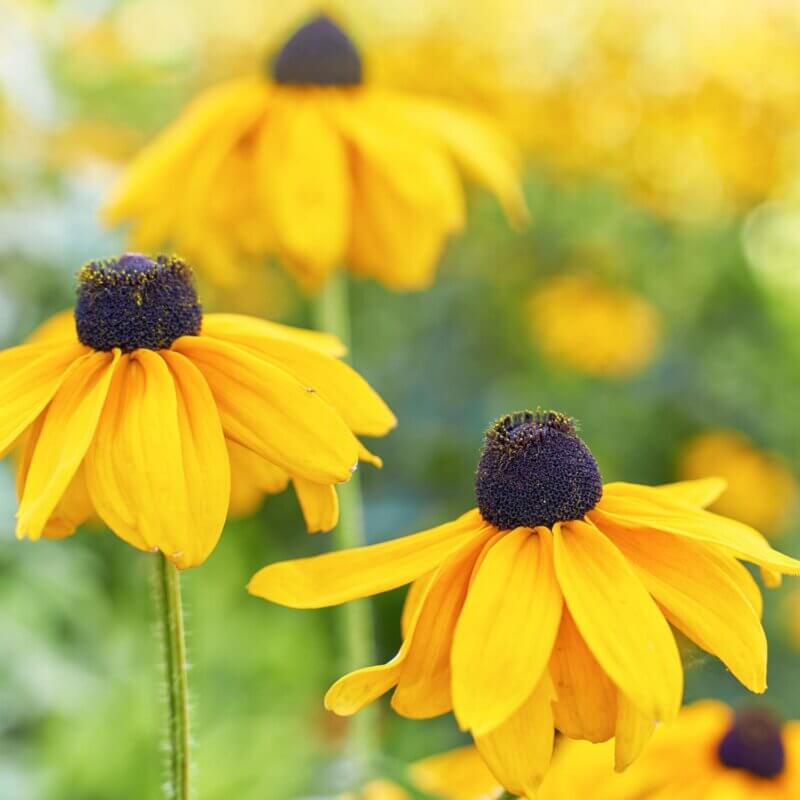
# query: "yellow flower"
314,166
550,605
709,752
128,411
378,789
593,328
761,492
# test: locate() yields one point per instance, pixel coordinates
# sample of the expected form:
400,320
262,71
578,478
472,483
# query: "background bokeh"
655,296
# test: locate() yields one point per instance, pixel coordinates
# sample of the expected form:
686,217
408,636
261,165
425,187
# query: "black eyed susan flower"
130,408
710,751
316,166
550,606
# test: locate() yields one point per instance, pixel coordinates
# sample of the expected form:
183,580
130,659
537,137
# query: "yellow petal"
204,455
251,478
319,504
367,457
633,733
256,333
305,183
59,328
618,619
587,700
701,493
682,520
518,752
508,627
265,409
459,774
699,599
423,689
338,384
414,597
69,425
29,377
335,578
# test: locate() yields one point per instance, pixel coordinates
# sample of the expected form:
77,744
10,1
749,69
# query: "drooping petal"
305,183
414,597
251,478
265,409
682,520
518,752
67,430
255,333
587,700
459,774
618,619
335,578
700,599
29,377
633,732
508,627
204,455
702,492
319,504
423,689
59,328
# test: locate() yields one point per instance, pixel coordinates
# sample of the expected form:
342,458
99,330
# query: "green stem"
170,619
332,314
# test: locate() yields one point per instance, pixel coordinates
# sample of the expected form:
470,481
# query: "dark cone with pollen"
754,744
318,54
535,470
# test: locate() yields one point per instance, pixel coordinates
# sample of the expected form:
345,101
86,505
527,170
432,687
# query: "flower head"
709,751
551,605
761,489
316,166
594,328
129,409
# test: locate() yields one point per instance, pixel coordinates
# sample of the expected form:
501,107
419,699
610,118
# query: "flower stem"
170,620
332,314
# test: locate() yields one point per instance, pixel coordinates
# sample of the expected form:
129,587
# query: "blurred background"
655,296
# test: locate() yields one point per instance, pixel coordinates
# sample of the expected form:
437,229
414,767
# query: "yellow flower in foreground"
549,606
594,328
709,752
128,411
761,490
314,166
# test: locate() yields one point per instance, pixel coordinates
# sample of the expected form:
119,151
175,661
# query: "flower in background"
549,606
317,167
131,409
594,328
761,492
709,752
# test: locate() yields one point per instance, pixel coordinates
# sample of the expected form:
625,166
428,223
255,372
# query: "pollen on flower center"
318,54
535,470
134,302
754,743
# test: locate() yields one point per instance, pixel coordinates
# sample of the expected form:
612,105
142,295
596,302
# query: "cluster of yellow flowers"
550,608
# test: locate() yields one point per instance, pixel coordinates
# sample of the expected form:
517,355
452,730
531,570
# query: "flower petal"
459,774
633,732
508,627
251,478
319,504
587,700
69,425
683,520
518,752
29,377
702,492
618,619
265,409
423,689
335,578
700,599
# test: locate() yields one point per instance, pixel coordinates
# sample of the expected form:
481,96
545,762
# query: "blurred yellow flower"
316,167
378,789
761,492
135,407
588,326
549,606
709,752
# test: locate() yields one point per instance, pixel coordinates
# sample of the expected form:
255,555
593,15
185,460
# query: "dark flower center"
134,302
535,470
318,54
754,744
